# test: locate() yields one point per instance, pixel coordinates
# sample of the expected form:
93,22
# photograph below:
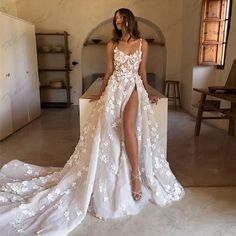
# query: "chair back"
231,81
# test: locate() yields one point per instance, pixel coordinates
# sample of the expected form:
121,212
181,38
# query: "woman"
127,40
118,164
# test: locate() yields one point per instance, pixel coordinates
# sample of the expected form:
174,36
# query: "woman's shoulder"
111,43
144,41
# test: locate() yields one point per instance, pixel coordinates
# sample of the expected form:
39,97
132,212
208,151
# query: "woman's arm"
109,71
142,66
143,72
110,66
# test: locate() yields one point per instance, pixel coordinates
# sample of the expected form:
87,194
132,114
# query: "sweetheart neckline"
126,53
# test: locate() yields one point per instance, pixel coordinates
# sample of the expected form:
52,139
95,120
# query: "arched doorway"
94,54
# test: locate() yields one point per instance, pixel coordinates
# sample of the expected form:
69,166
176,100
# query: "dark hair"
129,24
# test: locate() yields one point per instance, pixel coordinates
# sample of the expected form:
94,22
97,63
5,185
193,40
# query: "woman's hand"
94,97
153,98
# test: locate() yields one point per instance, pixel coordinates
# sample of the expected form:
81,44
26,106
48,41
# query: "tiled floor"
48,140
207,160
202,212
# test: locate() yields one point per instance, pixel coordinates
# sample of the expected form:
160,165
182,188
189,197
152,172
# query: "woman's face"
119,21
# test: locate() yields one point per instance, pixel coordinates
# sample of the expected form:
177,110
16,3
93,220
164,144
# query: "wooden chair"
227,92
230,85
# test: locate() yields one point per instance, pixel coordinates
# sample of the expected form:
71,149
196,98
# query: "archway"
94,58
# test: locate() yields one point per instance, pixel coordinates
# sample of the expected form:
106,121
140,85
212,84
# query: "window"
214,30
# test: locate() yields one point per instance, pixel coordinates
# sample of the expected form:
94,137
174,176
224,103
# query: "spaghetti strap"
140,45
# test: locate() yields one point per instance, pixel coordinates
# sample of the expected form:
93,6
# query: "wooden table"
230,113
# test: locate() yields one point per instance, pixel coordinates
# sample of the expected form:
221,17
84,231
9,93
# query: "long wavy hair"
129,24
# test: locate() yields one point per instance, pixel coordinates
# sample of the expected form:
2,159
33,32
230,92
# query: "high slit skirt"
36,200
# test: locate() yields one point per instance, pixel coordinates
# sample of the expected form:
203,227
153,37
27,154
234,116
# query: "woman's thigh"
130,111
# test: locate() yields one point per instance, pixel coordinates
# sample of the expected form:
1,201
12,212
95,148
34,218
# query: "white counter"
160,110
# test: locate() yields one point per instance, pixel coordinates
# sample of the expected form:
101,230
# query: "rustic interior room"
53,55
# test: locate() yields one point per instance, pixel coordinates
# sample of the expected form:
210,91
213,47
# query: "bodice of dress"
125,64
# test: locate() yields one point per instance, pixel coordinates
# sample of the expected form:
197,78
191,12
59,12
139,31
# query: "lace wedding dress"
37,200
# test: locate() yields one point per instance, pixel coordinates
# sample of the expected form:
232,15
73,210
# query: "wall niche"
94,52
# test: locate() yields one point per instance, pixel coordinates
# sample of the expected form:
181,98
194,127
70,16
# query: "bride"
118,165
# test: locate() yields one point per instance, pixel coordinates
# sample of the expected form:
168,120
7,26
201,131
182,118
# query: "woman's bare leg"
129,125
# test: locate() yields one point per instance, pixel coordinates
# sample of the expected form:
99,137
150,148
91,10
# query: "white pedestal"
160,110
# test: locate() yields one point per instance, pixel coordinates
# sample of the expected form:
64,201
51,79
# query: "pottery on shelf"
59,48
46,48
56,84
150,40
96,40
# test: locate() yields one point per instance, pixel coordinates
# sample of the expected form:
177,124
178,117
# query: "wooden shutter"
213,32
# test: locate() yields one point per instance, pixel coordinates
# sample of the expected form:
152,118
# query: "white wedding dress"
37,200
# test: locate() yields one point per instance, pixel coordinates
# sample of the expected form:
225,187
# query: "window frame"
214,32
